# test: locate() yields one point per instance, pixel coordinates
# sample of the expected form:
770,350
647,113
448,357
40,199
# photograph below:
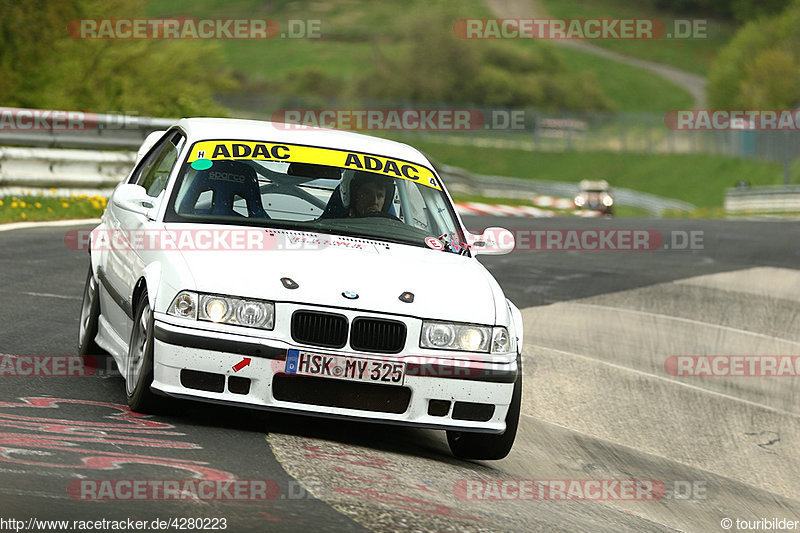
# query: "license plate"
345,367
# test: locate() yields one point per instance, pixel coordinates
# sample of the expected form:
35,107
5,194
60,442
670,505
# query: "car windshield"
303,188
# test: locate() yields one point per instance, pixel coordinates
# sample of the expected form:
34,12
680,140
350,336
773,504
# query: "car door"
125,262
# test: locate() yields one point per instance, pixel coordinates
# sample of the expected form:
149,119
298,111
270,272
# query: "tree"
47,68
760,67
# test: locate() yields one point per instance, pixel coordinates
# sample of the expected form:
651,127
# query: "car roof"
590,184
200,129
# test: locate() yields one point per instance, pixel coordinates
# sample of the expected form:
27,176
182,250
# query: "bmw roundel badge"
350,295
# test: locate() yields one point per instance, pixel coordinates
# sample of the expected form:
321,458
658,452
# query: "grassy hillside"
694,55
698,179
629,88
354,33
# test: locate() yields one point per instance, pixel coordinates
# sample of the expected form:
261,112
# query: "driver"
370,193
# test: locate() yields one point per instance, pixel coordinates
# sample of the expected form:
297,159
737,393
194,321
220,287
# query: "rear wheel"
465,445
139,365
90,313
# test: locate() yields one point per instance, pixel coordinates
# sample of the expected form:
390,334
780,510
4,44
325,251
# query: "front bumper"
194,363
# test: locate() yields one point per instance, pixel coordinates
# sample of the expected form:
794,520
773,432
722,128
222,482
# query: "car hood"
445,286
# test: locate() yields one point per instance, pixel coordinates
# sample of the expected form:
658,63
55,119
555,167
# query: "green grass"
694,55
347,32
629,88
490,199
630,211
28,208
698,179
348,45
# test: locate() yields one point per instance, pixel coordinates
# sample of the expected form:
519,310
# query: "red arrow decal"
241,364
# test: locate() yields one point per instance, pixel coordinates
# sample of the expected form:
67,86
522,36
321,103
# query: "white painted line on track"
672,381
39,494
687,320
48,223
48,295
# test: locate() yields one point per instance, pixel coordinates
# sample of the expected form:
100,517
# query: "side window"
155,169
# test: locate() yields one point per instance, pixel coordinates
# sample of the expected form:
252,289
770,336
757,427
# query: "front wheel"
90,314
139,365
483,446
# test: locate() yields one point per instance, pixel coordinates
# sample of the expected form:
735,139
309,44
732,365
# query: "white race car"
303,270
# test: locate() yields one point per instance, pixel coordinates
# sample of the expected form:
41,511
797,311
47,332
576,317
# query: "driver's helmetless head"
368,194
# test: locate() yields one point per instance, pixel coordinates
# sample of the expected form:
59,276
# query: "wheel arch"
516,321
149,280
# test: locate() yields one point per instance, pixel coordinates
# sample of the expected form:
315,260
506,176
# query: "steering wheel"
381,214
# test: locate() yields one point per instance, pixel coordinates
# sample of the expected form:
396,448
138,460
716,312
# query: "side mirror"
133,198
493,241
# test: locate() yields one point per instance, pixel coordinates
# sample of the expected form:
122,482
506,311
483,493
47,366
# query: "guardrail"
76,129
460,180
100,166
80,171
765,199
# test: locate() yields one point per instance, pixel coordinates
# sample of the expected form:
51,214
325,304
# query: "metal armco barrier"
75,170
75,129
777,199
459,180
98,167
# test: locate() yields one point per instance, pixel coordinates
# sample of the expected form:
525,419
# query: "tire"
139,364
484,446
90,313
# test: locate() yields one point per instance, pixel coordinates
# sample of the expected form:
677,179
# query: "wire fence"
541,130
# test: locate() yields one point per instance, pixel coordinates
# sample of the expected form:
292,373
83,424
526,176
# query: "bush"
760,67
46,68
740,11
311,81
438,67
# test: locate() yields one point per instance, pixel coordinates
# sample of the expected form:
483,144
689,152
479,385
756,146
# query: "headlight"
450,336
214,308
438,335
608,201
253,314
224,310
579,201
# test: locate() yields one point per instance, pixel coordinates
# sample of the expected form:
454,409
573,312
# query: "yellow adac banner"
264,151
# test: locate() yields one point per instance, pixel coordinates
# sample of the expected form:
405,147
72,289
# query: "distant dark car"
596,196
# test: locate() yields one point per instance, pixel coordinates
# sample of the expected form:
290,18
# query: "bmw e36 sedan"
305,270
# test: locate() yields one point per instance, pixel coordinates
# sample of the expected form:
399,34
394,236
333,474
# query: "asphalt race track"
600,406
